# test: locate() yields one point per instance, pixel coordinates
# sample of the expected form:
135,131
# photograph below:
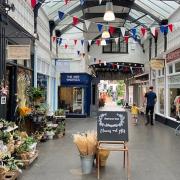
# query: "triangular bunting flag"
133,30
153,31
87,23
99,61
66,1
99,26
59,41
143,31
94,59
75,20
162,28
82,42
82,2
112,30
170,27
75,41
33,3
90,41
117,66
89,57
78,52
104,63
83,55
61,15
100,1
123,31
66,46
126,38
116,40
53,38
98,42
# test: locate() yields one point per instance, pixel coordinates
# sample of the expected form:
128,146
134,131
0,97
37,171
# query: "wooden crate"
11,175
28,162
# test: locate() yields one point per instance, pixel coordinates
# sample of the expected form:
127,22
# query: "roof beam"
92,3
139,8
96,15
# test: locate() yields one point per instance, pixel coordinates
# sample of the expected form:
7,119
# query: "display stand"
120,146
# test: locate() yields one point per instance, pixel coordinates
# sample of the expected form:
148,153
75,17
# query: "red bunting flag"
53,38
75,41
33,3
99,61
66,1
112,29
98,42
126,38
75,20
143,31
66,46
170,27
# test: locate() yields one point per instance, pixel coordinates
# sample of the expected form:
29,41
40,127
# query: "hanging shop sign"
112,126
172,56
3,99
18,52
157,64
174,79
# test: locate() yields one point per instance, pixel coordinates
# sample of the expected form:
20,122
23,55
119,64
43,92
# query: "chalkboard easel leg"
98,165
128,166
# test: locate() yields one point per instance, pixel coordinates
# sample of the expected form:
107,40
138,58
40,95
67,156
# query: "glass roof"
161,9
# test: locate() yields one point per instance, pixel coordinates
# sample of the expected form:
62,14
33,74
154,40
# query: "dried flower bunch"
86,142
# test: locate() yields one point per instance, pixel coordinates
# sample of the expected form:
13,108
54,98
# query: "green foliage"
11,163
60,128
5,137
35,93
121,88
60,112
25,146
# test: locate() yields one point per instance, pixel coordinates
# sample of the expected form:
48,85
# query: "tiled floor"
154,155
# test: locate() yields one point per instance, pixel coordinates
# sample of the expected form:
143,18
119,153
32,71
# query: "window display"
72,99
161,100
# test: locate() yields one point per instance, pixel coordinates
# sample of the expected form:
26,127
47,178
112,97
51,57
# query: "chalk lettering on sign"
105,131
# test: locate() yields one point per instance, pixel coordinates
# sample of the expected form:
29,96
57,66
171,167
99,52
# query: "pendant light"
109,14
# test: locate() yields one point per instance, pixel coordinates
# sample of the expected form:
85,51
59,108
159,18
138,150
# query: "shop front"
168,85
75,94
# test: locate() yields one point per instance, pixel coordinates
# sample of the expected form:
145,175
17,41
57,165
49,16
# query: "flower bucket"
87,163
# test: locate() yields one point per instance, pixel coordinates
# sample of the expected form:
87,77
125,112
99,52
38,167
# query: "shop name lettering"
73,78
112,128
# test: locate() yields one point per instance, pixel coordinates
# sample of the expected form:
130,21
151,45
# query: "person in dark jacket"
150,103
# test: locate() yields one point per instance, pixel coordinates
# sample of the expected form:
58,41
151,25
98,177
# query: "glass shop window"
174,107
170,69
177,67
161,100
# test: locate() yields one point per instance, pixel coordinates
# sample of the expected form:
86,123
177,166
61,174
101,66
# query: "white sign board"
18,52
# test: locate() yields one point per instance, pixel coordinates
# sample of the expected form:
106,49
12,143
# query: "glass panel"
170,69
161,100
78,100
174,108
177,67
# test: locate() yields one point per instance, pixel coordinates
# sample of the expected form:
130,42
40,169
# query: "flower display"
24,111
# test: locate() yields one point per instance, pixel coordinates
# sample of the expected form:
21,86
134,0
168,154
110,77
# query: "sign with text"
112,126
157,64
172,56
19,52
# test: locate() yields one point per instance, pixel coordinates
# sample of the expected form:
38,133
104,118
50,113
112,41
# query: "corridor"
154,154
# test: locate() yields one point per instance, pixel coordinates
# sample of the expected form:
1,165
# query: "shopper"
150,103
134,114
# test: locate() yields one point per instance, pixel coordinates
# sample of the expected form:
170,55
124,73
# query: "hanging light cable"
109,14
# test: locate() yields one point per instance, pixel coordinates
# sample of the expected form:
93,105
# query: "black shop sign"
112,126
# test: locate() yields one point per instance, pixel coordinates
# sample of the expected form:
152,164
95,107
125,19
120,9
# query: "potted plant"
60,112
60,130
35,94
5,137
49,132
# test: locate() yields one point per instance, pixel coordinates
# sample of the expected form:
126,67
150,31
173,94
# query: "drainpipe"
150,56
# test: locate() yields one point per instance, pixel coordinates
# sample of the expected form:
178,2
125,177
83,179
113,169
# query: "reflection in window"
177,67
161,100
170,69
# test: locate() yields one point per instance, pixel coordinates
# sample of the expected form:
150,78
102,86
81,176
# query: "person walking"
134,114
150,103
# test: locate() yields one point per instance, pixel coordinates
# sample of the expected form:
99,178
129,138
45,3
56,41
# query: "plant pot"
87,163
60,135
50,134
33,147
103,155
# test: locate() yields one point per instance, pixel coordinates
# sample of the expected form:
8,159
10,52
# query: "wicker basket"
2,172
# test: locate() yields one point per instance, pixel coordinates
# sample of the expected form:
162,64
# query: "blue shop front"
75,94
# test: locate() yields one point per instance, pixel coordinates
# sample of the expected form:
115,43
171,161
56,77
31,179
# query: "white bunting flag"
123,31
89,57
104,63
116,40
153,31
87,23
100,1
90,41
117,66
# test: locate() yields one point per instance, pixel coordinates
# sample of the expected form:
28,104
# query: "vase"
87,163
